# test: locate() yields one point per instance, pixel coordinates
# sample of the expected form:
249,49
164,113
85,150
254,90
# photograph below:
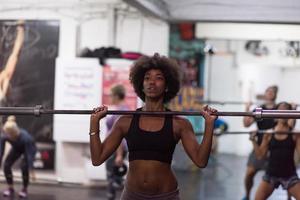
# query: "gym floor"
221,180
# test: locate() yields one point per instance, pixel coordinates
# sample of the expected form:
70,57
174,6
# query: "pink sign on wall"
118,75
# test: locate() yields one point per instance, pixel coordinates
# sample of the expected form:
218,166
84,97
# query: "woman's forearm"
95,143
96,146
257,150
96,149
204,149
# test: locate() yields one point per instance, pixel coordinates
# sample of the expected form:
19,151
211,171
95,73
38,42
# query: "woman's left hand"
119,161
209,114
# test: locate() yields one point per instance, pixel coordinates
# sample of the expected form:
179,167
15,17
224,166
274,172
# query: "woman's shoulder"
296,136
125,117
268,134
3,137
181,121
25,135
124,120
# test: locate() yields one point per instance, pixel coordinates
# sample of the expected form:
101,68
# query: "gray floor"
221,180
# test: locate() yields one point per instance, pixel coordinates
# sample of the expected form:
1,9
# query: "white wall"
144,34
239,31
94,33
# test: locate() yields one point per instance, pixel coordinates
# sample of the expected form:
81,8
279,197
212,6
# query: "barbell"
258,113
249,132
216,102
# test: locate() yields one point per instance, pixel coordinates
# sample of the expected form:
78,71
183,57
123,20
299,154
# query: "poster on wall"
28,50
117,72
188,52
78,86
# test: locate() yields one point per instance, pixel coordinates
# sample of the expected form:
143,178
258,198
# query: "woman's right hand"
98,113
209,114
252,136
248,105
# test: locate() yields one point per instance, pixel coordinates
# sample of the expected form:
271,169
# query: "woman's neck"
270,104
153,106
282,127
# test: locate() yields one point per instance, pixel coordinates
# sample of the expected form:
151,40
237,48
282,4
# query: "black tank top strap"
168,125
290,137
134,125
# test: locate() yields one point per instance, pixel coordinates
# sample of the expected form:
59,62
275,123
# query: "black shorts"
285,183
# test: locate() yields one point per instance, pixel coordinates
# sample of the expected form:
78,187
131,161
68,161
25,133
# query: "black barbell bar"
216,102
249,132
258,113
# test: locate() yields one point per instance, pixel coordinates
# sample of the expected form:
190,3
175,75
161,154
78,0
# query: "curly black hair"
169,68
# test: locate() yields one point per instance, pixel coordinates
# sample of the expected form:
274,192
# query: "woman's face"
154,84
283,107
270,94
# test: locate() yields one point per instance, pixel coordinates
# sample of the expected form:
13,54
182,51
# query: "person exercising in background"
281,168
22,144
117,96
254,164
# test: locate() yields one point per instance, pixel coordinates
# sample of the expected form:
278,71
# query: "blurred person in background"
22,146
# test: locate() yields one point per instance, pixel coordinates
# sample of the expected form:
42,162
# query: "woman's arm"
100,151
2,148
297,144
30,151
262,149
248,121
199,153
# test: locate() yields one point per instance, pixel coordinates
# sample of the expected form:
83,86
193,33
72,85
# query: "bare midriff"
150,177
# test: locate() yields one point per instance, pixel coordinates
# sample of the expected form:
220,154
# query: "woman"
22,143
151,140
281,168
116,160
255,165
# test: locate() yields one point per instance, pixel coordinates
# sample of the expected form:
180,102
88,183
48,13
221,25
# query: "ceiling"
78,9
254,11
